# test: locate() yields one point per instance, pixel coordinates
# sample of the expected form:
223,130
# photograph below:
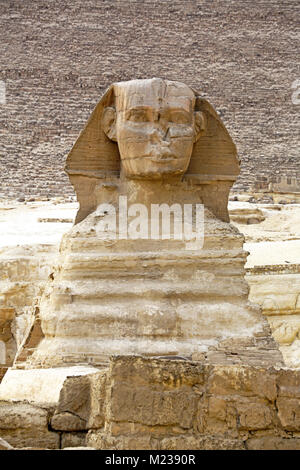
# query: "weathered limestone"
78,448
163,404
272,270
5,445
277,289
24,274
153,142
35,403
201,315
8,345
28,252
246,216
26,425
149,142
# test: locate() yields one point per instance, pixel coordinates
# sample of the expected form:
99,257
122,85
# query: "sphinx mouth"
162,159
164,156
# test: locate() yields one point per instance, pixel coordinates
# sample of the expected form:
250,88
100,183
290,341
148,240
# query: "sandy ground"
22,224
264,253
276,240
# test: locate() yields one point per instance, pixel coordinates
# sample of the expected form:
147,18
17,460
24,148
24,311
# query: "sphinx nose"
160,133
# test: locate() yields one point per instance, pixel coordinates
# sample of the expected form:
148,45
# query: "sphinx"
151,142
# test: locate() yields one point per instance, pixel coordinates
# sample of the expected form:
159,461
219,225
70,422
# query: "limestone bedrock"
154,142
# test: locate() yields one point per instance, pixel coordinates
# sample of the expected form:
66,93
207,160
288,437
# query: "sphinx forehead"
154,92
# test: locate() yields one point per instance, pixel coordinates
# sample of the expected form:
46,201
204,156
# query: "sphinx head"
155,125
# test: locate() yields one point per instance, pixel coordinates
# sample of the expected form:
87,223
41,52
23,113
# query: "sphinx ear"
109,123
200,124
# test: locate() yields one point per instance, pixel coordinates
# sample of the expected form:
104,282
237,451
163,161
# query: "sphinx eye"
179,117
137,115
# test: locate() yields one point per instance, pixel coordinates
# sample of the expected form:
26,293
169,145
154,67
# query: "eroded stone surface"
163,404
273,270
154,142
25,425
146,403
5,445
277,290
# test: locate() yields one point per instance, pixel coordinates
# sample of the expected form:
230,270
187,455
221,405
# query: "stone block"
73,439
272,443
244,381
168,373
99,387
201,443
222,417
102,441
81,403
152,407
289,413
24,425
254,414
67,422
74,396
78,448
288,381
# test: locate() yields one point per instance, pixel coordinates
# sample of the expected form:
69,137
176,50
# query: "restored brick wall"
58,57
146,403
164,404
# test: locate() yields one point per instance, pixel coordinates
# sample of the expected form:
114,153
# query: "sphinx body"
151,142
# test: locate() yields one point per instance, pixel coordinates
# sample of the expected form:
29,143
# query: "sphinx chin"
156,166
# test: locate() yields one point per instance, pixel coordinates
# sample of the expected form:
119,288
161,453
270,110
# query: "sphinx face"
155,127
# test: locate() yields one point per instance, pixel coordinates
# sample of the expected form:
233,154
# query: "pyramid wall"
57,58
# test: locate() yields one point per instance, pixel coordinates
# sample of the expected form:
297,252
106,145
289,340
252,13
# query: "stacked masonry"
59,57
